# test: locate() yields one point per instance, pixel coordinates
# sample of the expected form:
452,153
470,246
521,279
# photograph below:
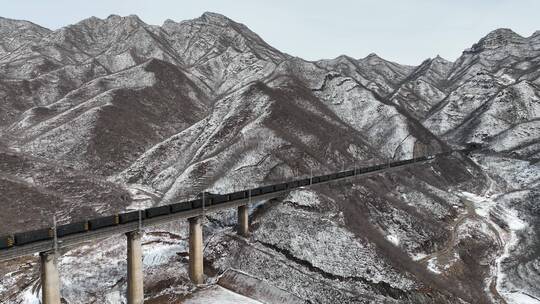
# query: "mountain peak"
7,22
372,56
111,19
214,18
91,21
502,36
344,57
503,32
169,21
131,19
439,59
375,59
495,39
15,33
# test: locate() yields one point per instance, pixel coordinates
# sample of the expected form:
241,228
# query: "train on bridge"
202,201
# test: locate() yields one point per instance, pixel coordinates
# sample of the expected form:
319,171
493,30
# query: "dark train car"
182,206
332,176
132,216
345,174
71,228
238,195
256,191
396,163
293,184
220,199
360,171
198,203
323,178
267,189
157,211
33,236
304,182
102,222
6,241
208,197
281,187
315,179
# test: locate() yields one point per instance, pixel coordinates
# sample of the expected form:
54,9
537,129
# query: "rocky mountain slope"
109,114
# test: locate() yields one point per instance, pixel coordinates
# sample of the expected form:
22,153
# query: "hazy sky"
406,31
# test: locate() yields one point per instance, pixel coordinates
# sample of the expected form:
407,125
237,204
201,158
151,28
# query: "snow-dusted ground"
218,295
521,298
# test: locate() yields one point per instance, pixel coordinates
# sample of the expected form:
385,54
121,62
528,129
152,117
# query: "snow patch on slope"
521,298
28,297
304,197
432,266
219,295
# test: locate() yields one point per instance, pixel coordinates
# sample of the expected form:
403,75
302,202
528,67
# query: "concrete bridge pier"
196,250
50,280
135,292
243,221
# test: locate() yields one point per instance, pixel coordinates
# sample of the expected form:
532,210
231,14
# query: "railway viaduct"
48,250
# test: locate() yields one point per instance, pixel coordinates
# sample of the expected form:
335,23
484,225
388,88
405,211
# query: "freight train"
45,234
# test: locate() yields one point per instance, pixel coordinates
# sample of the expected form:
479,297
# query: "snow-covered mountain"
109,114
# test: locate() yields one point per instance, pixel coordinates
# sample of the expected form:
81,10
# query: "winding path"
448,248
